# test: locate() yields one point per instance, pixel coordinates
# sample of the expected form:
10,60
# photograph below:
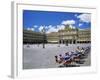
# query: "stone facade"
65,36
70,36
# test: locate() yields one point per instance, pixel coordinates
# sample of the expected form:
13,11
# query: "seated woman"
78,49
67,59
72,55
77,54
82,50
59,59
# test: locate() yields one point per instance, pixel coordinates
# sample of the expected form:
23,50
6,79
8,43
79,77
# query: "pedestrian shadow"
69,66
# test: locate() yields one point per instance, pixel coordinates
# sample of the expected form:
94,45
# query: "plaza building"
33,37
66,36
70,36
53,37
84,36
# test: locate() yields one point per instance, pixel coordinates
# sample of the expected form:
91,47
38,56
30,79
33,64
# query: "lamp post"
59,39
44,36
77,33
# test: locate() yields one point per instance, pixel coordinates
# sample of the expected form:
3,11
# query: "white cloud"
80,24
31,29
40,28
52,29
85,18
55,28
72,27
59,27
70,23
66,22
50,26
35,26
46,27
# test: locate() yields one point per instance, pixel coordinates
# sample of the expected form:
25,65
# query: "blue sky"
53,21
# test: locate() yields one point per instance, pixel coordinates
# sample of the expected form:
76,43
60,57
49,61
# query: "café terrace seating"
77,58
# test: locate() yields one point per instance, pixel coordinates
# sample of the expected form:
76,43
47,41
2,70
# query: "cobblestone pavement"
35,56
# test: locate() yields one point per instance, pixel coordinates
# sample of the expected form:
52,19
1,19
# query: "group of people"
70,57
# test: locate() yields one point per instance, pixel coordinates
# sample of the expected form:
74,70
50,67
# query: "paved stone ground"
37,57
